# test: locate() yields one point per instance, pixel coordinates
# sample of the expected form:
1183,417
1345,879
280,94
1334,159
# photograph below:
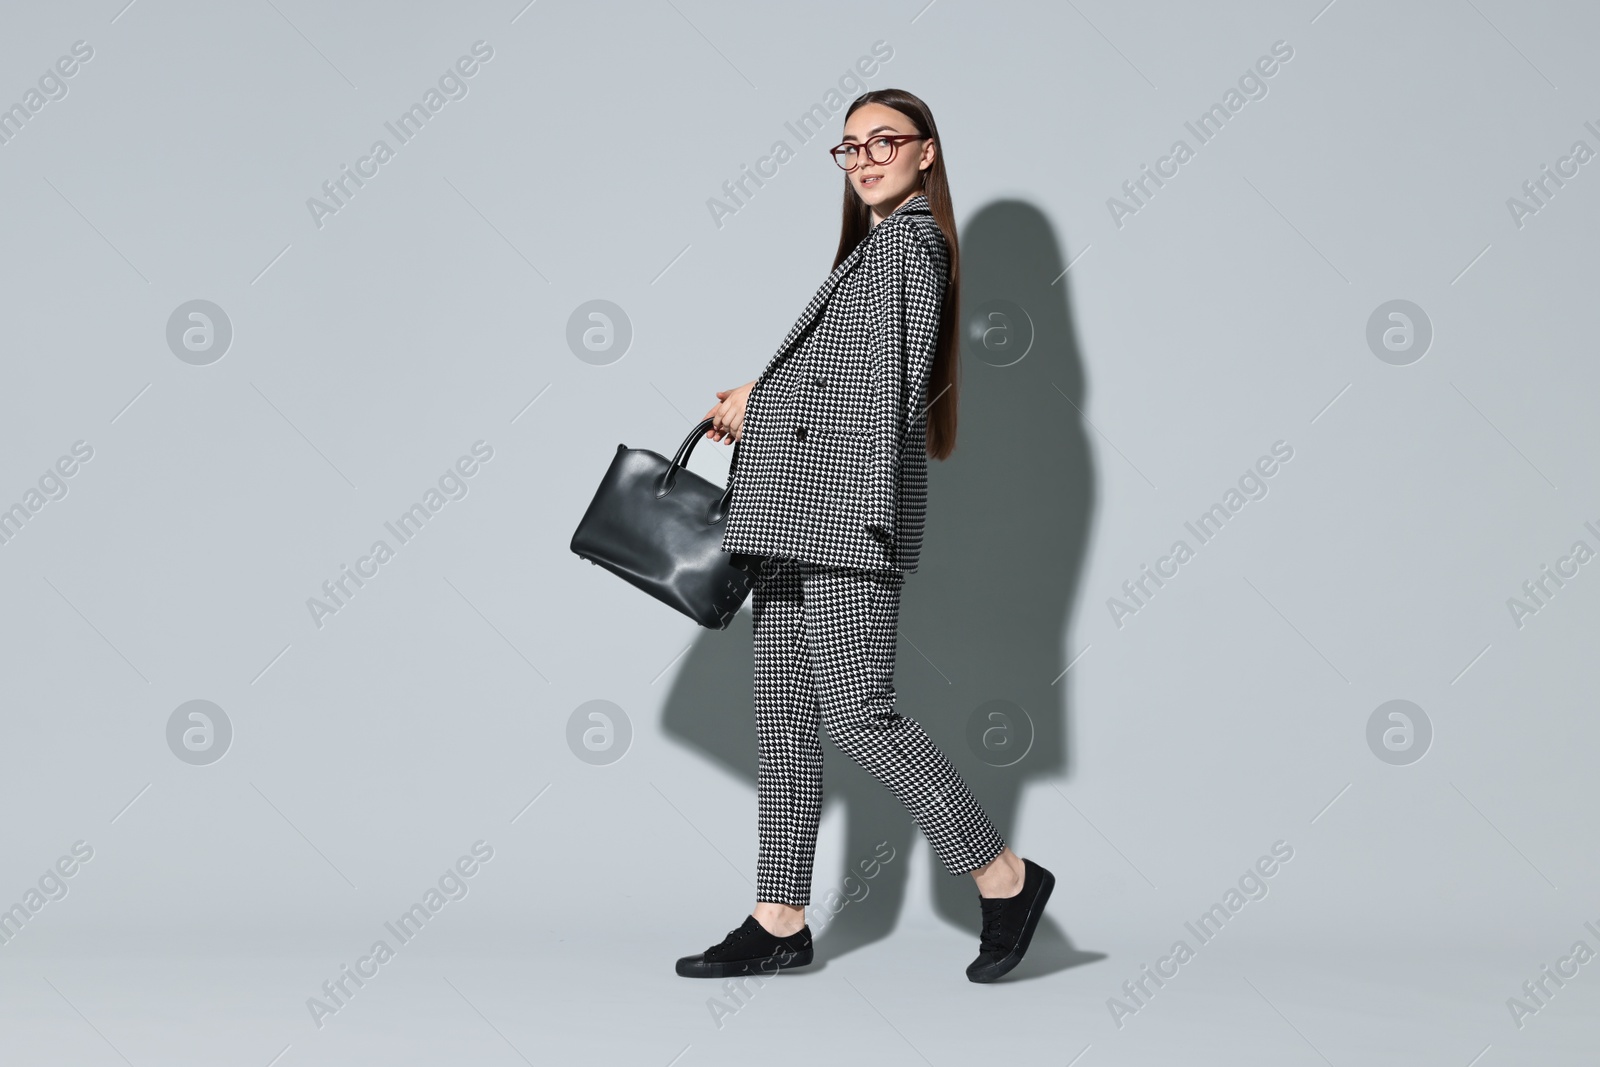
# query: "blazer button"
800,432
819,381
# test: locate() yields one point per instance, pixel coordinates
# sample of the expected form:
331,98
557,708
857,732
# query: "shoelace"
736,934
993,938
727,941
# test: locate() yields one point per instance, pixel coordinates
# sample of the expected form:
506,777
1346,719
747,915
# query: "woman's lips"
873,180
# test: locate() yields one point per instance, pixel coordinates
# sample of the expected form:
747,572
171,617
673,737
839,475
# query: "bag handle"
680,459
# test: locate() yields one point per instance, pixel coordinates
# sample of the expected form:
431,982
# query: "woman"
829,498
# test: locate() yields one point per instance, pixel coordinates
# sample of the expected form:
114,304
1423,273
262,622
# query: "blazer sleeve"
907,288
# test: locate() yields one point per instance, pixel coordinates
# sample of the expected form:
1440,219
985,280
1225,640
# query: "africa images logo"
452,85
812,122
451,885
452,485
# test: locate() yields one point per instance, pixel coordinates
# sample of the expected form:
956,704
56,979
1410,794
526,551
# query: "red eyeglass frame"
895,142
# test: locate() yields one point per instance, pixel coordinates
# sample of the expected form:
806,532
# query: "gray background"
435,709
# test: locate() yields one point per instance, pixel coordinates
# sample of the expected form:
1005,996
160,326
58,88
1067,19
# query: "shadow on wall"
983,620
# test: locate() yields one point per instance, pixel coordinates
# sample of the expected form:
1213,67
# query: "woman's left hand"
728,413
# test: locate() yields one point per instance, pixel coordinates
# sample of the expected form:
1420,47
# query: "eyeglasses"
848,155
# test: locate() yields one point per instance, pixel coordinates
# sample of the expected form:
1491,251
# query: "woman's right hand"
728,413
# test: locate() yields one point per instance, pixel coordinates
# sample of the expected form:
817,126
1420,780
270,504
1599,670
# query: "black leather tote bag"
658,525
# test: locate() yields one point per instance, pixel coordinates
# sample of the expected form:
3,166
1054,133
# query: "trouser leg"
850,620
789,751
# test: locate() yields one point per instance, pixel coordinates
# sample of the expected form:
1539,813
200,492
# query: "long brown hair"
943,377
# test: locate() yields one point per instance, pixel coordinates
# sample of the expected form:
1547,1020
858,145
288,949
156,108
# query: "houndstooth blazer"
831,464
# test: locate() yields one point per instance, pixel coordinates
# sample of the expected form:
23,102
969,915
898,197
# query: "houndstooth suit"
831,464
830,492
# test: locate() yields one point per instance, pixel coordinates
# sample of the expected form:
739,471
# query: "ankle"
1002,876
779,920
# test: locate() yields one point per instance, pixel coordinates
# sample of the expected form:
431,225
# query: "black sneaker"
749,949
1008,924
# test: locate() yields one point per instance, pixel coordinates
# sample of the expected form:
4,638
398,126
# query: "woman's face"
885,186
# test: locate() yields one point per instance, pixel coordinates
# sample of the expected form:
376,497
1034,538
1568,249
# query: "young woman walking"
830,476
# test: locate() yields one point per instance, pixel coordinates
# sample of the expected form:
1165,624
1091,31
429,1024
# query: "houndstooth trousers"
825,640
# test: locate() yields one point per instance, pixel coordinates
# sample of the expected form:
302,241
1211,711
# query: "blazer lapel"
815,306
915,205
